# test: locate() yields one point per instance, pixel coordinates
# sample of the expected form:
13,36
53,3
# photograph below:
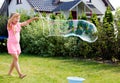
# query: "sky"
115,3
1,1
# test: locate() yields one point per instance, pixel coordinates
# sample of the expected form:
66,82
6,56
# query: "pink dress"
13,44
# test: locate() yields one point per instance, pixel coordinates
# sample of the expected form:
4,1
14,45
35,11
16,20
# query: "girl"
13,46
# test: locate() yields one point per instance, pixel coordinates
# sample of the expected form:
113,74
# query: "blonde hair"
10,20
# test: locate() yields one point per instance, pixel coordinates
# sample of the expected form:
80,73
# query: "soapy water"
78,28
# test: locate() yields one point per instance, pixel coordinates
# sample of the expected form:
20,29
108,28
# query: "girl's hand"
36,18
29,21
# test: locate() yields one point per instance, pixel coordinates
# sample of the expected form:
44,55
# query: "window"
91,5
88,1
19,2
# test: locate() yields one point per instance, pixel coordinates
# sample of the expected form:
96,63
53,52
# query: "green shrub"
35,39
52,16
3,45
3,26
84,17
3,33
70,16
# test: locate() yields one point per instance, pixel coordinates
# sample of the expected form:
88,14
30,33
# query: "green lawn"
56,70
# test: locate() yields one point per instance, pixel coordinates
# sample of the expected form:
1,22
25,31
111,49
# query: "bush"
3,26
3,33
3,45
35,39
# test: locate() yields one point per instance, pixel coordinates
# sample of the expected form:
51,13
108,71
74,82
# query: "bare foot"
22,76
9,74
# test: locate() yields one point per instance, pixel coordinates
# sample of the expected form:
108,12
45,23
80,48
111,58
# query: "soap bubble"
79,28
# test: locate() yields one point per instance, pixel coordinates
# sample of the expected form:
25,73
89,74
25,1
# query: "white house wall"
99,5
66,13
13,7
81,8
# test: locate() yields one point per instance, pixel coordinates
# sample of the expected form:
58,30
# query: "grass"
56,70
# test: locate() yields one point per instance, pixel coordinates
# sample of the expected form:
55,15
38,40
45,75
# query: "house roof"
4,7
42,5
107,3
67,5
48,6
94,9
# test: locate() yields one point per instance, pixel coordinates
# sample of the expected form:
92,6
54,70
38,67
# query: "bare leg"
16,65
11,68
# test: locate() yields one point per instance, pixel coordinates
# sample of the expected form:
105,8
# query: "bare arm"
29,21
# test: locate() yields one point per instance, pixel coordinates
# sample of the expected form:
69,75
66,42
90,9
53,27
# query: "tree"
84,17
108,37
108,18
94,20
108,23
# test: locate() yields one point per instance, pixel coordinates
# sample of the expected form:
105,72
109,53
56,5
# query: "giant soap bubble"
67,28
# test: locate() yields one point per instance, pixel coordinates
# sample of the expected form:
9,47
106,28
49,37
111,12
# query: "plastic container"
75,80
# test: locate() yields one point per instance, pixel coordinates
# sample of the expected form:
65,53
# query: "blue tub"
75,80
